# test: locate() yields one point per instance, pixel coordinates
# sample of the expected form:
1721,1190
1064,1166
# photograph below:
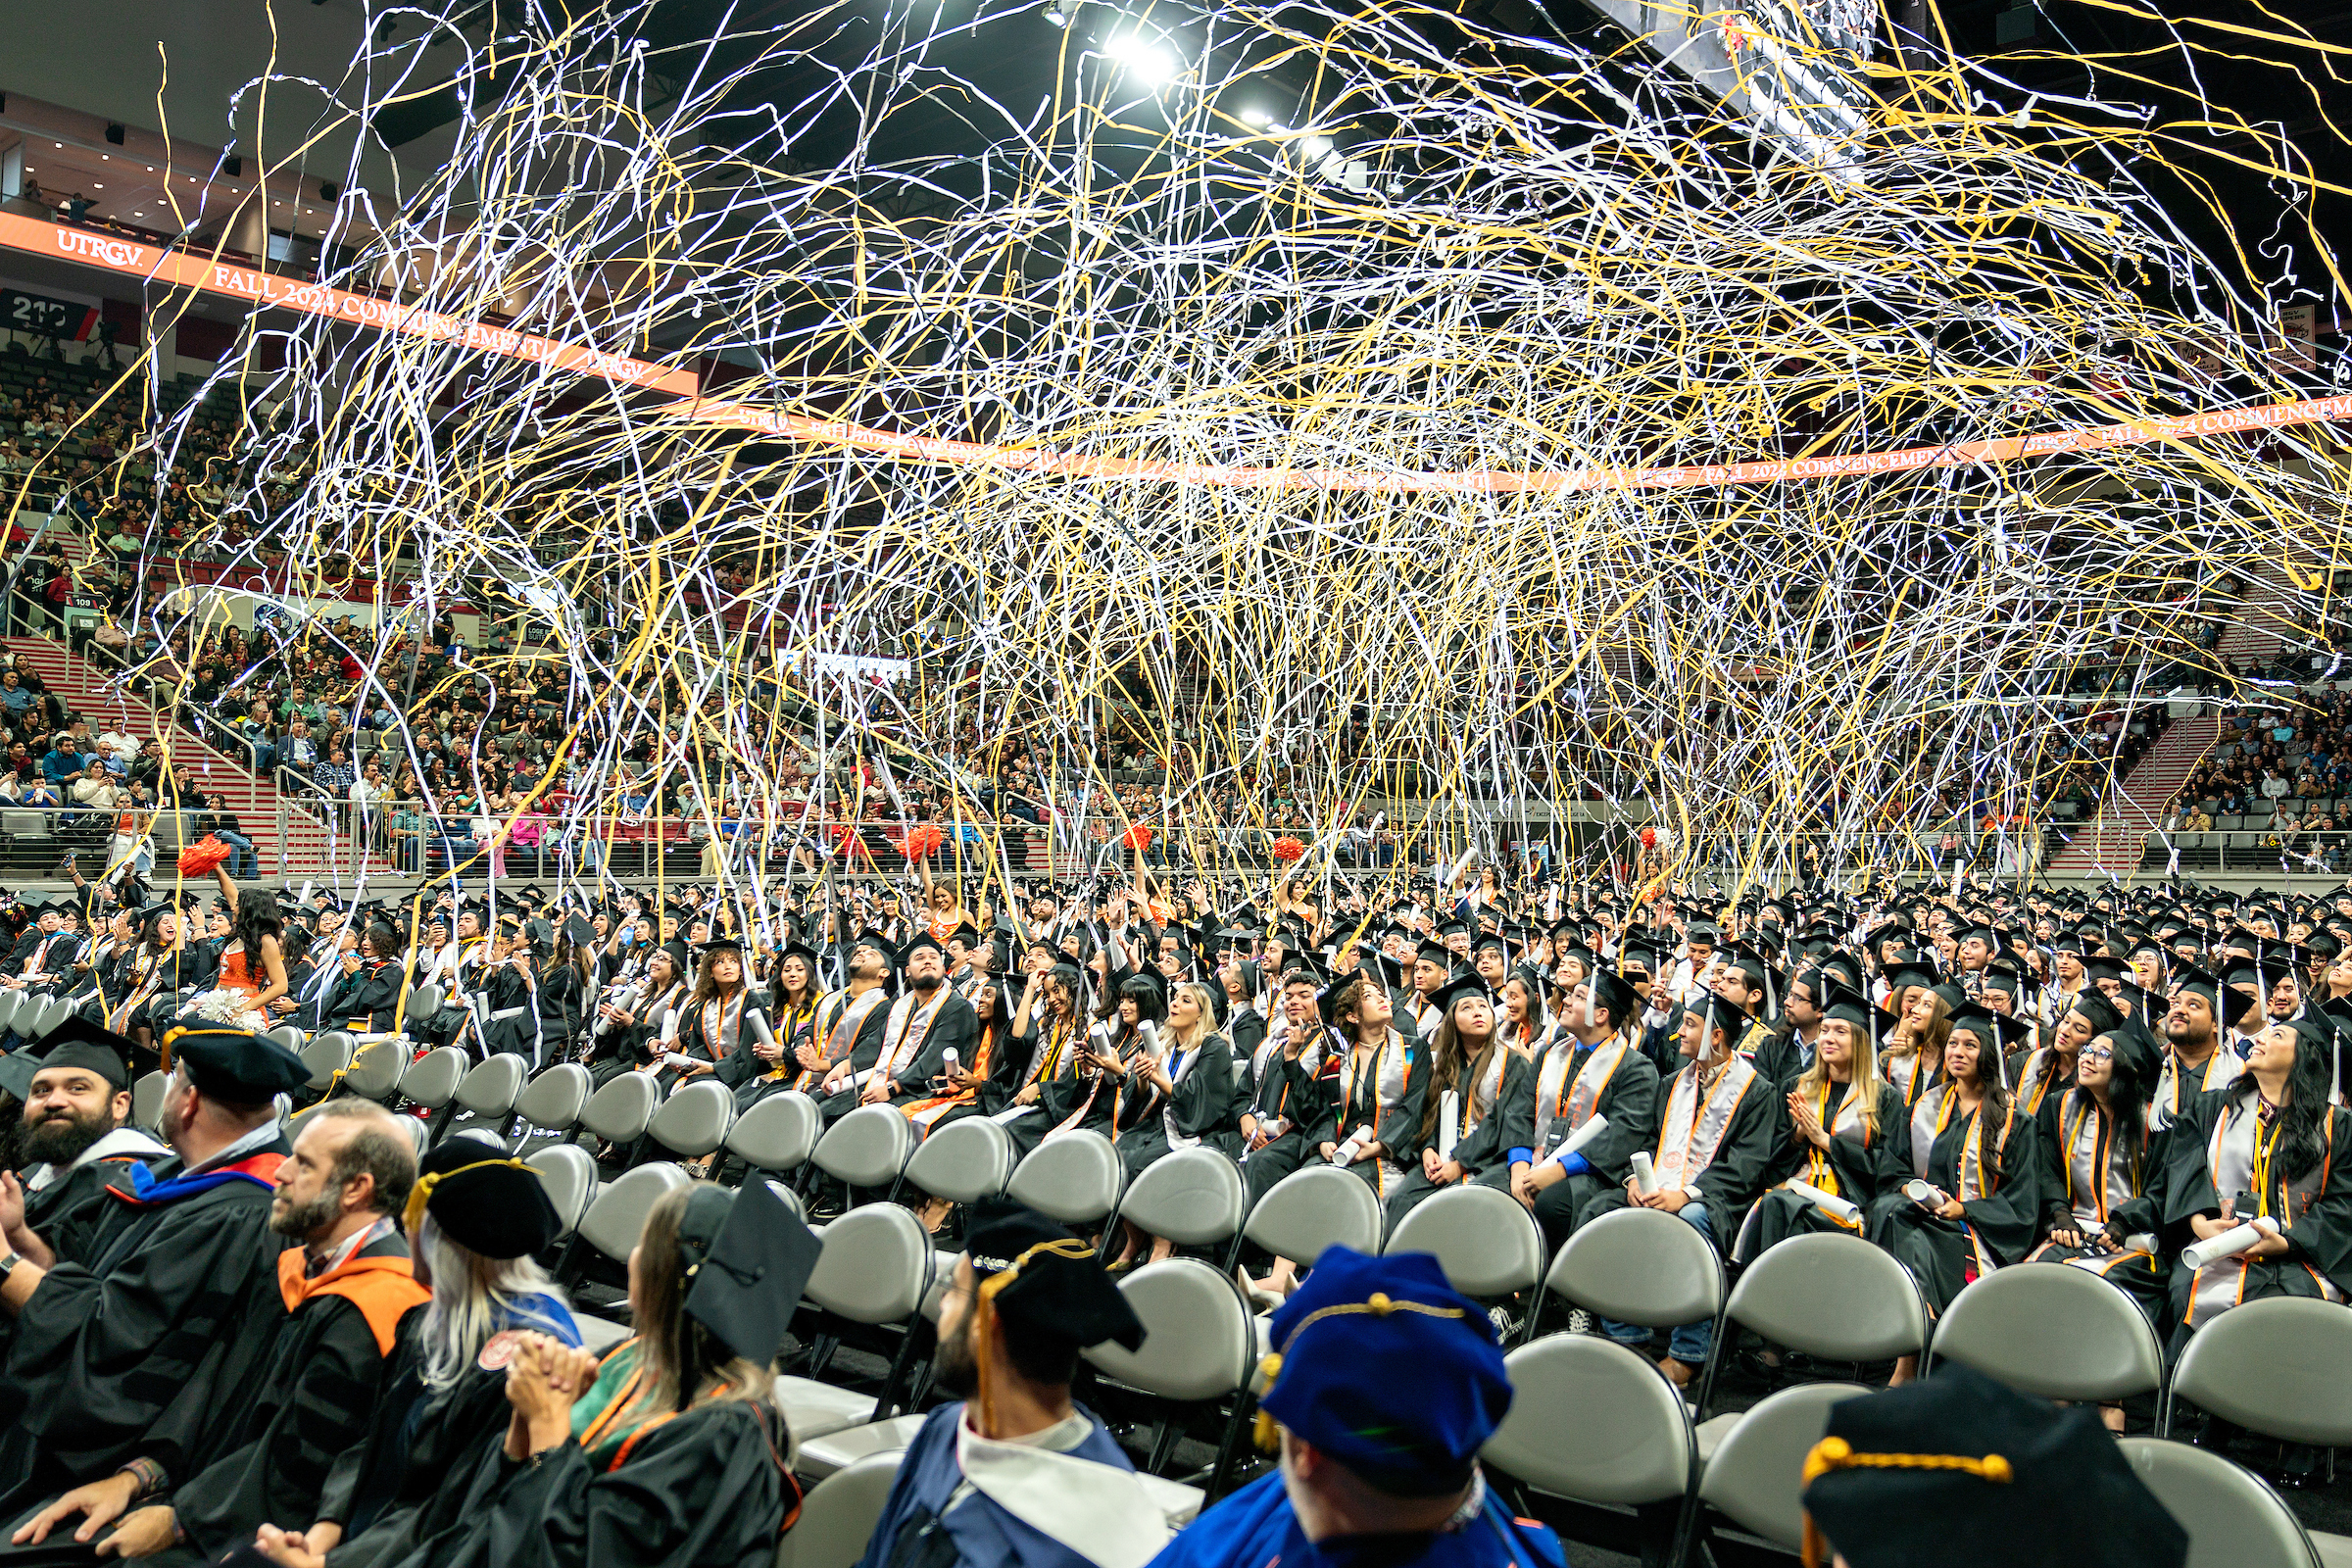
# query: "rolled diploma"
2230,1243
1833,1205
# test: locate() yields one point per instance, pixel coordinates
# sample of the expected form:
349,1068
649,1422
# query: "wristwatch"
8,1265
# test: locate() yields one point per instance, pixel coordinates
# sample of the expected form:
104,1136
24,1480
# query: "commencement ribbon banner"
185,269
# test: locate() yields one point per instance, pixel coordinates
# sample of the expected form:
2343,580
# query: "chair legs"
1221,1475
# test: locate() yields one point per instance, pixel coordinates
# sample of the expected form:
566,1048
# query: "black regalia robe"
1195,1113
1997,1185
1861,1165
1575,1082
2223,1155
137,1350
1387,1094
1498,1123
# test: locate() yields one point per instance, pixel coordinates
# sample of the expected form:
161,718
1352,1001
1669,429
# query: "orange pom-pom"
1138,837
923,840
1287,848
199,858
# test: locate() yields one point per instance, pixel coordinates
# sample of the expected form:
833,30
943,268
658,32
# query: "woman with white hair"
474,1218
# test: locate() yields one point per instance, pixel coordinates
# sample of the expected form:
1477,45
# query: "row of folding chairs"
1597,1424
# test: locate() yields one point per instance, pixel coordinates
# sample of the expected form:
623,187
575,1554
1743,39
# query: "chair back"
423,1001
1315,1206
967,1160
1553,1441
327,1055
291,1038
1834,1297
377,1068
694,1119
1197,1340
1487,1243
1755,1477
433,1078
1639,1265
570,1177
867,1147
776,1134
620,1111
2053,1329
1074,1177
876,1267
2281,1367
490,1088
617,1216
554,1098
2234,1519
838,1515
147,1099
1193,1196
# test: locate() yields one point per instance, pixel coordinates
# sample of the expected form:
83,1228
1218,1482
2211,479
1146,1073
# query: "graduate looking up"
1015,1472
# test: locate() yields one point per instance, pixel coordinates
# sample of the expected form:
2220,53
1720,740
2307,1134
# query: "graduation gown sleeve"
1732,1181
1203,1100
1510,1125
1401,1127
704,1489
134,1354
2009,1219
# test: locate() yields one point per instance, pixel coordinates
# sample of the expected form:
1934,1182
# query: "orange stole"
383,1289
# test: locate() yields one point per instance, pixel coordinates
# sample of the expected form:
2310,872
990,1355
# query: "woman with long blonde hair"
1849,1140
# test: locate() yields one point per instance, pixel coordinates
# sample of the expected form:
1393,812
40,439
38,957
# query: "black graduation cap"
1847,1005
481,1199
76,1042
16,1075
967,933
1909,974
1299,964
870,937
747,1258
1434,953
1052,1281
917,943
235,1064
1614,992
1987,1475
2000,1034
2092,1004
1466,983
578,931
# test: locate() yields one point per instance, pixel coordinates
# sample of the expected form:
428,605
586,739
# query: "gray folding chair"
2281,1367
1637,1265
875,1269
1192,1196
1075,1177
2234,1519
2054,1331
377,1068
432,1079
147,1099
962,1162
570,1177
777,1134
1641,1454
838,1515
327,1055
1833,1297
1755,1475
613,1222
13,1005
694,1120
1199,1348
620,1111
1316,1207
551,1101
1485,1240
489,1092
866,1148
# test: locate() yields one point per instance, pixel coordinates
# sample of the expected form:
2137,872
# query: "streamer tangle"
1461,367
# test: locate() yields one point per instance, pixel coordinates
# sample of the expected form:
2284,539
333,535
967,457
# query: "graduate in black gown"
346,1294
474,1221
1976,1149
1180,1097
137,1348
1478,1111
1595,1067
1290,1103
1849,1136
1378,1106
668,1452
2104,1191
77,1141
